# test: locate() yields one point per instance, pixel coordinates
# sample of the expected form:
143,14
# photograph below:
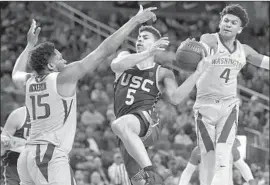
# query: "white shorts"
216,122
44,165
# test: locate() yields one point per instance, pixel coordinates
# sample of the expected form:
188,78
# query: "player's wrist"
29,46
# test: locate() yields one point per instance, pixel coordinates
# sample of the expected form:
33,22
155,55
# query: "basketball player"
194,161
16,125
138,85
216,106
51,102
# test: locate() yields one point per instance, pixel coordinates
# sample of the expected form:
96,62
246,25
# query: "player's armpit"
255,58
20,78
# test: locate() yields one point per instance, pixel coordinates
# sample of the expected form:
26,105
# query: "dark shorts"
10,175
149,134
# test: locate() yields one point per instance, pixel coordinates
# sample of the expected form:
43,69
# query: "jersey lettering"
37,87
145,83
135,83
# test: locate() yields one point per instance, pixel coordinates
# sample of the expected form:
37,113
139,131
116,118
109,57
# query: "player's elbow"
174,99
115,66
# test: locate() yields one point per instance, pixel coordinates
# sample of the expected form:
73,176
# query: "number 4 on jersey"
225,74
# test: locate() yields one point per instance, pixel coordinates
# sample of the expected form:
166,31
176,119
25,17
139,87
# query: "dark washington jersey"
136,89
11,157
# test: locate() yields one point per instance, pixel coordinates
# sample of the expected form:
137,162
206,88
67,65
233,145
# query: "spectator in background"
98,95
182,138
92,143
80,178
91,116
95,179
117,171
161,170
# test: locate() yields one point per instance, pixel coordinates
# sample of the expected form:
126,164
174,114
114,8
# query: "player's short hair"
152,30
41,55
237,10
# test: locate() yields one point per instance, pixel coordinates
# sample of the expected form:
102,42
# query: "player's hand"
145,14
32,35
159,45
5,144
185,41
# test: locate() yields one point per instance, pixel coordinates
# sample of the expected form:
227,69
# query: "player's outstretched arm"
125,60
255,58
13,123
179,94
19,74
190,168
73,72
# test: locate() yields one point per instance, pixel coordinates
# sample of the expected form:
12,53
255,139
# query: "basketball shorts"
44,165
10,175
216,122
149,135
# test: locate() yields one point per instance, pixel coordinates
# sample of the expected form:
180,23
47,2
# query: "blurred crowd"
95,158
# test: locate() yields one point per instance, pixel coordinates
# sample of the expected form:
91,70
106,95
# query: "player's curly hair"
41,55
152,30
237,10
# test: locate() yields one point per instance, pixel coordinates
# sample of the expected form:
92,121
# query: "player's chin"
139,49
228,34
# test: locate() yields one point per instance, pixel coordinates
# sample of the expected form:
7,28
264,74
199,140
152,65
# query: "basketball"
189,55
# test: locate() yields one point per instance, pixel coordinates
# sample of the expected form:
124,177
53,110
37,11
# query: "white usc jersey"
220,79
52,117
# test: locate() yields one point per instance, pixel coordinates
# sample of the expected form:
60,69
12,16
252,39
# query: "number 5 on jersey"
130,96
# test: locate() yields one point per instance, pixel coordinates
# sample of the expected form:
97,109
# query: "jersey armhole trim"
117,76
157,78
55,74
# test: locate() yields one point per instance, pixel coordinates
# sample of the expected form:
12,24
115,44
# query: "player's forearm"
108,46
128,61
19,74
244,169
186,175
185,88
265,62
21,62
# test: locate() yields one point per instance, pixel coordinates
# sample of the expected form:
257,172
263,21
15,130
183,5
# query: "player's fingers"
141,7
33,26
38,31
150,8
161,49
163,38
154,18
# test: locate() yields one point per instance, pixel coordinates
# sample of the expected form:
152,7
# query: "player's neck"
146,63
42,73
228,41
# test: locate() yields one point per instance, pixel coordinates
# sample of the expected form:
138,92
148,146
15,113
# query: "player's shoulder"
209,39
19,112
